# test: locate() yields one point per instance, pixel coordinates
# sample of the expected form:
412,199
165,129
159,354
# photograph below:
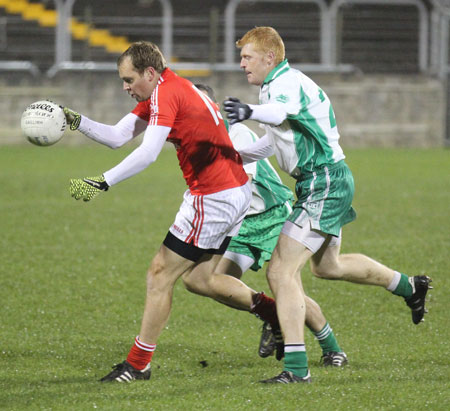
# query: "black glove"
236,111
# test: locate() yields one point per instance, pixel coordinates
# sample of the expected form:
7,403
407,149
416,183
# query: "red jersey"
204,150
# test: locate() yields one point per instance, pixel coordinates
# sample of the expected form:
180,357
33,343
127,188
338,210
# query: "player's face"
257,65
138,86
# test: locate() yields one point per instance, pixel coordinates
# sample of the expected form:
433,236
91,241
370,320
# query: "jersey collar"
277,71
165,74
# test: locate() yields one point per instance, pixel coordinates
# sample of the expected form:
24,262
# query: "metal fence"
408,36
326,27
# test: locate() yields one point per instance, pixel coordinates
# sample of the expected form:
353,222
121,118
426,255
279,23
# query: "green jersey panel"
309,137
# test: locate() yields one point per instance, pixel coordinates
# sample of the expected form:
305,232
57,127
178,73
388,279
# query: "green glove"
73,118
87,188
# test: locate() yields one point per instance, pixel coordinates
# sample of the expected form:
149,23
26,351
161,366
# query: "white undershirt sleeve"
260,149
273,114
241,137
113,136
142,157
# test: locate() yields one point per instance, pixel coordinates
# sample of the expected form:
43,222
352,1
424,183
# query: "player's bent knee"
196,284
190,285
326,272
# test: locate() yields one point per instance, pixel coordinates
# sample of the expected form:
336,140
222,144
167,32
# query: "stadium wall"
371,110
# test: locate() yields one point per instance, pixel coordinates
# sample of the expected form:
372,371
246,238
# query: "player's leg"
295,246
332,354
186,246
166,267
328,263
226,266
231,291
250,249
283,271
234,264
221,287
198,285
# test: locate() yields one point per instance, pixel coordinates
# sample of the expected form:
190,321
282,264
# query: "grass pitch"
72,288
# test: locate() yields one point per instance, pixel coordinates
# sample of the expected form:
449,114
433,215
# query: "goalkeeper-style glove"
87,188
73,118
236,111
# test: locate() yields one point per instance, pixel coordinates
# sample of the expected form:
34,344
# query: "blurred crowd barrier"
376,110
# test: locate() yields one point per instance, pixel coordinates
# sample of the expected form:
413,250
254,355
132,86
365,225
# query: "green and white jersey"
267,188
308,137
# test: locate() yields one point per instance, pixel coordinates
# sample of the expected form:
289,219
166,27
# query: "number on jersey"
210,105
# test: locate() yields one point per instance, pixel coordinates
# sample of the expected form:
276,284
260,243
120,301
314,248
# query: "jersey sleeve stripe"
154,107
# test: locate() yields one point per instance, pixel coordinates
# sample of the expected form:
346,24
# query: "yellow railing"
79,30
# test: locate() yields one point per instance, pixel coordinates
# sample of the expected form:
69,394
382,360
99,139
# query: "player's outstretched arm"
138,160
113,136
271,113
141,157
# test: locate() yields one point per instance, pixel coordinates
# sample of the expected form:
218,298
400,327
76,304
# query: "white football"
43,123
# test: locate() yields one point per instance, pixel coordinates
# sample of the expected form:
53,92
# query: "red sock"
140,354
265,308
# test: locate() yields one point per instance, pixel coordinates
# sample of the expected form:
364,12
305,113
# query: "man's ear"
270,58
149,73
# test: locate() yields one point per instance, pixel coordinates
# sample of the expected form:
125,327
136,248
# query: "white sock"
394,283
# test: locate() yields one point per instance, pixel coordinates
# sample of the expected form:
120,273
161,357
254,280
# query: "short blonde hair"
144,54
264,39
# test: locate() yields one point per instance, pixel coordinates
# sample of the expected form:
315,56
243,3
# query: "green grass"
72,289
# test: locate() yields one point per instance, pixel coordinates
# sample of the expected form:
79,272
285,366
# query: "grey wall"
371,110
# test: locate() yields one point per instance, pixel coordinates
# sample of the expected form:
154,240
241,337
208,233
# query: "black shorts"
190,251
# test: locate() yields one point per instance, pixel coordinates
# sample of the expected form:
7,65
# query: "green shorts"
324,198
258,235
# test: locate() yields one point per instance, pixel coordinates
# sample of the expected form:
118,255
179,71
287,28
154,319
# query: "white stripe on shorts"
325,194
206,220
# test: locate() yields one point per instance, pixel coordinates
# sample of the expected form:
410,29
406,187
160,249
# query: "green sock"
403,288
327,340
296,361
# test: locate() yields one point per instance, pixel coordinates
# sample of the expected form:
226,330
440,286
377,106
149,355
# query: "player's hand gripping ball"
43,123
